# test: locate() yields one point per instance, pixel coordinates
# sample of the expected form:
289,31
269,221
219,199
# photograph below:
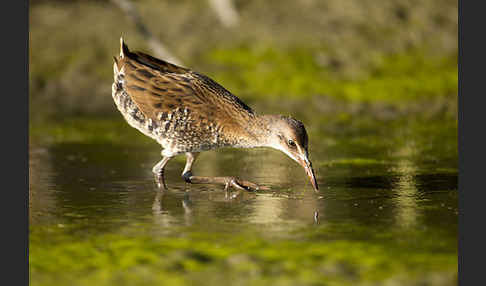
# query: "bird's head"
289,136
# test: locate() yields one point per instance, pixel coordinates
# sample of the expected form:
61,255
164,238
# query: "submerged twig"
155,45
226,12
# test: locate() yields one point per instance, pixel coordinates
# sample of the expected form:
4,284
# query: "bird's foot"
240,184
227,182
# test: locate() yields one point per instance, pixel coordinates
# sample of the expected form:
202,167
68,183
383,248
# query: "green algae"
395,79
84,129
323,256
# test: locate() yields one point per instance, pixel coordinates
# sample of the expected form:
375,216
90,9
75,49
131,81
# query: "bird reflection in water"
163,216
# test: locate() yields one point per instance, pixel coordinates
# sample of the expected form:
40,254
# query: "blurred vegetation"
335,254
397,54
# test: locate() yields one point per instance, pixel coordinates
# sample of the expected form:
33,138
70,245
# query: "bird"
187,112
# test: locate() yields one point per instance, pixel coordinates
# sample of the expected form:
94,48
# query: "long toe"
246,185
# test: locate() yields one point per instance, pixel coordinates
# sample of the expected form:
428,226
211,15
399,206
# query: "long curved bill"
304,162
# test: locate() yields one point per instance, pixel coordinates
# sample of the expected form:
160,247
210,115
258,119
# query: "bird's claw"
242,185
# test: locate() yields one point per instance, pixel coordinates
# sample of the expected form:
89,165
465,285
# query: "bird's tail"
124,52
147,60
123,49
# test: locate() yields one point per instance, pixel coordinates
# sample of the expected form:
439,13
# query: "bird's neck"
259,131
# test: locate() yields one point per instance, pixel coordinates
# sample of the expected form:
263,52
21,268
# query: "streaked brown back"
158,88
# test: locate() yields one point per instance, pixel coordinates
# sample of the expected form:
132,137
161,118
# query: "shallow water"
387,210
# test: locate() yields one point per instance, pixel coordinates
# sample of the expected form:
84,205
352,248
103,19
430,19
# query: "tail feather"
123,48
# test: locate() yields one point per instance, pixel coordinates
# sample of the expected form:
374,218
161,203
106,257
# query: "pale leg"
158,171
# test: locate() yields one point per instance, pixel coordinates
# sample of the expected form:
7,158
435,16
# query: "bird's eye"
291,143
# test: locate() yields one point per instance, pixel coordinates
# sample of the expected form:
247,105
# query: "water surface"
386,211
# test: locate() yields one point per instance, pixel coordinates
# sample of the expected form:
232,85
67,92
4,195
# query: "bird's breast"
177,131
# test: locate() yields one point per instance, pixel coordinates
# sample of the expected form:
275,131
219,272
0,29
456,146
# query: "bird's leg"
226,181
187,173
158,171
